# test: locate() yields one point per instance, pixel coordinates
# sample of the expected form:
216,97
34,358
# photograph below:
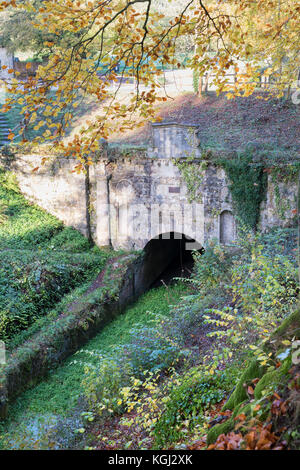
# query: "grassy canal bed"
59,393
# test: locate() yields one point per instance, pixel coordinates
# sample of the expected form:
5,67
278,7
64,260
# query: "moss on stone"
239,394
229,425
289,328
239,400
219,429
240,409
273,379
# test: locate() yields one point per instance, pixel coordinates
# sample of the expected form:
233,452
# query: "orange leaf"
251,440
28,65
35,169
240,417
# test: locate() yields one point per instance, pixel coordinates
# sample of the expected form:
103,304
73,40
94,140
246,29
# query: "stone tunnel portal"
167,256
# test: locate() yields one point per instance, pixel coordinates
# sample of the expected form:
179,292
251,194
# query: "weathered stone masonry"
139,194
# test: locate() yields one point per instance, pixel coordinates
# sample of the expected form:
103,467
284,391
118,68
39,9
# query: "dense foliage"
169,405
171,366
187,404
56,402
40,260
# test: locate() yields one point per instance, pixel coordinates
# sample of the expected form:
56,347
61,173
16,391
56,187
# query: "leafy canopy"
116,39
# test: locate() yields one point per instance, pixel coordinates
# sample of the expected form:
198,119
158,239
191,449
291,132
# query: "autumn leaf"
240,417
250,439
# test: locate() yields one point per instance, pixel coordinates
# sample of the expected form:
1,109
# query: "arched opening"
167,256
227,228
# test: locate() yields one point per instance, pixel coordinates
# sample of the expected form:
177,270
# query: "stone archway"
170,251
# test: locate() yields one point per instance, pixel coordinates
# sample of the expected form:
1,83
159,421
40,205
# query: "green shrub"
265,283
149,348
211,268
31,284
188,402
281,241
71,240
103,382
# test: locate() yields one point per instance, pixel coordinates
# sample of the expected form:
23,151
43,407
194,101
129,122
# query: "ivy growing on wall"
248,187
192,173
287,174
248,182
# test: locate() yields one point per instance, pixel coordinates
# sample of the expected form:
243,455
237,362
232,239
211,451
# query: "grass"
59,393
40,260
23,224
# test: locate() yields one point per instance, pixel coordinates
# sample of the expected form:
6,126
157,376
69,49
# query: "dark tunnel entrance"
167,256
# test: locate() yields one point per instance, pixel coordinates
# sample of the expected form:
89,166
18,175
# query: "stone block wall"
134,197
172,140
147,198
54,186
279,208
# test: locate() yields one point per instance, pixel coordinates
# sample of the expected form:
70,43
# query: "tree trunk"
298,219
206,83
88,204
200,86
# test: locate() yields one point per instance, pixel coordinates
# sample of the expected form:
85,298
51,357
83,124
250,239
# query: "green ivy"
192,173
188,402
248,187
287,174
